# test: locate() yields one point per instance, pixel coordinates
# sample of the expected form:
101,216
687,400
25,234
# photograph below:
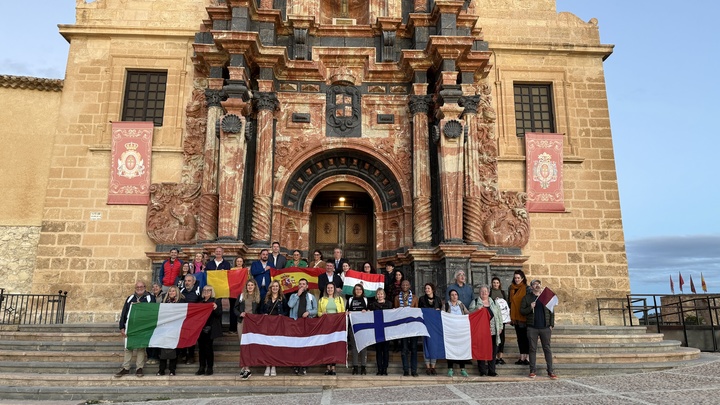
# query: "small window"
144,96
533,108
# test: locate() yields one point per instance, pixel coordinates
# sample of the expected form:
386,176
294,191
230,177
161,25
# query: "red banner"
281,341
544,172
130,156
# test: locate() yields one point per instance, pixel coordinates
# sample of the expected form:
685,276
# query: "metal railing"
32,309
668,313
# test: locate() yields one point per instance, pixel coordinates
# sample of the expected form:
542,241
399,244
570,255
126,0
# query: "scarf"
517,293
409,299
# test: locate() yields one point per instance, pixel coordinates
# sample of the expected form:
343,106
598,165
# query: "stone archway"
338,162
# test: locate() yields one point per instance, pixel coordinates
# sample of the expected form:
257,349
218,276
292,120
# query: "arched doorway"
342,216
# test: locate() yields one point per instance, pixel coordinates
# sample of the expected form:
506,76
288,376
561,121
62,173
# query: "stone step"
38,363
62,336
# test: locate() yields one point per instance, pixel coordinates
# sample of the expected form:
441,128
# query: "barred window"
144,96
533,108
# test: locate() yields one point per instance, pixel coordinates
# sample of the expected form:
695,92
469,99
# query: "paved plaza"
699,384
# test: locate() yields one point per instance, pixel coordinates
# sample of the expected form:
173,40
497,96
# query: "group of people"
519,308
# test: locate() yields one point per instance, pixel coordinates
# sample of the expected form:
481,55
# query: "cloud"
652,261
17,68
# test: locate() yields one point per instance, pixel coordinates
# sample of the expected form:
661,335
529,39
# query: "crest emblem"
130,163
545,170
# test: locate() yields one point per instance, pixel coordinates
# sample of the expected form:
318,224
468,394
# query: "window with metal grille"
144,96
533,108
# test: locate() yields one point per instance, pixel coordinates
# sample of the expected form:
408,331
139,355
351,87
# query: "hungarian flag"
548,298
457,337
702,281
370,282
227,283
692,285
681,281
283,341
165,326
672,285
289,277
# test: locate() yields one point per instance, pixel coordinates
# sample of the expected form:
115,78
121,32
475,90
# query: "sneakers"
450,373
139,373
245,374
161,373
267,371
552,376
272,371
122,372
152,361
172,374
296,370
463,372
303,370
531,375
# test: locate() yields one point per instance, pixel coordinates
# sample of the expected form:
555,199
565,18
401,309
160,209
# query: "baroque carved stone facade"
274,107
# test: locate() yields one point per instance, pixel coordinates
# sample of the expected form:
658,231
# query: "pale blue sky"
663,87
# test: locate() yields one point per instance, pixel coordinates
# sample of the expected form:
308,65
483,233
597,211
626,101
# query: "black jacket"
215,319
147,297
192,294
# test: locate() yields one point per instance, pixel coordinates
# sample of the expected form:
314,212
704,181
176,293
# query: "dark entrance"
344,219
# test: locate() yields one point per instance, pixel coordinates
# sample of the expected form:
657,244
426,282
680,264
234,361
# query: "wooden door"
349,228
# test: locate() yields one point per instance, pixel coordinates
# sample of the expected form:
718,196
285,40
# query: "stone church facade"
389,128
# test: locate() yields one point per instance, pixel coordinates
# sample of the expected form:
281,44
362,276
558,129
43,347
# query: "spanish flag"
227,283
289,277
702,281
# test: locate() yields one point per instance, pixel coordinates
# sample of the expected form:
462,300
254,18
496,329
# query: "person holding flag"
538,308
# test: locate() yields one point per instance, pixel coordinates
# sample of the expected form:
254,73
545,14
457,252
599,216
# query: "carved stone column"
472,202
451,157
207,228
266,4
232,164
422,224
265,104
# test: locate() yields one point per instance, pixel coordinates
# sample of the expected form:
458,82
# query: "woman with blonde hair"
331,303
211,331
247,303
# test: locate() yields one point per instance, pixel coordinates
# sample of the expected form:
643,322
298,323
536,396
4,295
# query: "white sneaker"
267,371
272,371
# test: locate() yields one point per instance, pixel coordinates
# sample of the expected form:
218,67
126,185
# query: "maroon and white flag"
283,341
130,155
544,172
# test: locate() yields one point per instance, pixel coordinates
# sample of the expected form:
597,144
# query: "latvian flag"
548,298
457,337
289,277
227,283
165,326
370,282
282,341
380,326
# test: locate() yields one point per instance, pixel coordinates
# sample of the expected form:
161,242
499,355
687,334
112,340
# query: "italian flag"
165,326
370,282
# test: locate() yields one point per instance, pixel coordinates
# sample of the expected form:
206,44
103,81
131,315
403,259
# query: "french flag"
457,337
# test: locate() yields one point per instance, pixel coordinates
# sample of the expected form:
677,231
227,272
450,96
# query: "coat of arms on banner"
545,170
131,163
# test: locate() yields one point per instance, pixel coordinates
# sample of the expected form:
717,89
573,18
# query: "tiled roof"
30,83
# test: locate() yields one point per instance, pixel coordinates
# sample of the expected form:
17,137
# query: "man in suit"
329,277
277,260
260,269
338,260
218,263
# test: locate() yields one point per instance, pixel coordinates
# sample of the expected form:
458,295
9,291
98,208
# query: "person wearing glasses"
212,330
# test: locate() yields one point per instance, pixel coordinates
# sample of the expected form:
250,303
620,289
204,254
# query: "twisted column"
472,203
265,104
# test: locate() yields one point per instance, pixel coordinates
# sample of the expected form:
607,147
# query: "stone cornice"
30,83
544,48
70,31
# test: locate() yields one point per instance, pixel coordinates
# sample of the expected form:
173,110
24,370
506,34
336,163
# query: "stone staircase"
77,362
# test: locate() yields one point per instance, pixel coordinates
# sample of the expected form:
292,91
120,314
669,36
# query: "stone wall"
18,247
98,261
